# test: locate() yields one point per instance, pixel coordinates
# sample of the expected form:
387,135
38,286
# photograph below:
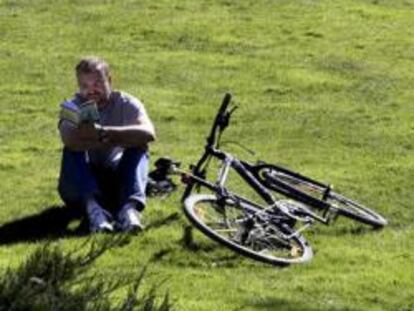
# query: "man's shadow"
51,223
56,222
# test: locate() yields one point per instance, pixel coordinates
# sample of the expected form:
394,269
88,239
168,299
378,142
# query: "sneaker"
129,220
99,219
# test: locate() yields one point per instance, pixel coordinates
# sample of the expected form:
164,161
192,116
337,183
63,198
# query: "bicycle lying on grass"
271,231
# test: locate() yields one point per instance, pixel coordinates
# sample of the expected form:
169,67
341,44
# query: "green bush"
53,280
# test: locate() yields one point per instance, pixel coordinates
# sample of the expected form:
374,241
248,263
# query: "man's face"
95,86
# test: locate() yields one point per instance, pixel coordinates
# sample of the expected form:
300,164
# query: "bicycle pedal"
295,252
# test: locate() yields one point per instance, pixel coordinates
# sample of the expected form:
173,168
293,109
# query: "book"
86,112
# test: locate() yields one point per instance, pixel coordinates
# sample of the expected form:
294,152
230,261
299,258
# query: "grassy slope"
324,87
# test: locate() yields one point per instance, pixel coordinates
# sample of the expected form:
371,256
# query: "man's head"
94,80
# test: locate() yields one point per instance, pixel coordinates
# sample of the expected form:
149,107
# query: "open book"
86,112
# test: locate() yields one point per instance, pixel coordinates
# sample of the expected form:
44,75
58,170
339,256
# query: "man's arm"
138,134
79,138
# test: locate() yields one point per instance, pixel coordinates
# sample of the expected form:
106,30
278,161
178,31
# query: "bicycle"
266,232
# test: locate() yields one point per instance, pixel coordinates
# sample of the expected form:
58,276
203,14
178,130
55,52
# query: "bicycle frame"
250,174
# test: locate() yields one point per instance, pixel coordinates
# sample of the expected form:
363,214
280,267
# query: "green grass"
324,87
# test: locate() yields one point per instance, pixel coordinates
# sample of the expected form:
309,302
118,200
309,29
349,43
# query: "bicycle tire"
356,211
340,203
265,242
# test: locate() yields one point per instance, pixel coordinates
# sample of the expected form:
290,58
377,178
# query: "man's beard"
100,99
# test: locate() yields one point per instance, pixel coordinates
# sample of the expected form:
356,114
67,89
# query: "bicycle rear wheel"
274,176
356,211
235,226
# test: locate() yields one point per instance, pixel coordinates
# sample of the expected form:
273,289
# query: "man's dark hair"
92,64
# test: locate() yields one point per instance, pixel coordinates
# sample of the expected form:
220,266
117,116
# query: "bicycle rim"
234,227
354,210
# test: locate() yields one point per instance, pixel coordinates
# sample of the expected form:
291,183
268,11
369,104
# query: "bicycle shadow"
272,303
353,229
51,223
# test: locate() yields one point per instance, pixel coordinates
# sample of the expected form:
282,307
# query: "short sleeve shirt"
123,109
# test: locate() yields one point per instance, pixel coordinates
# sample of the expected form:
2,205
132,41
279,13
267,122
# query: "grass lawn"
324,87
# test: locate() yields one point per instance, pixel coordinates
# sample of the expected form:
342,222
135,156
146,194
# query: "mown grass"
324,87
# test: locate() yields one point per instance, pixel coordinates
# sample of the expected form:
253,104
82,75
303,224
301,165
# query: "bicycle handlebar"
221,120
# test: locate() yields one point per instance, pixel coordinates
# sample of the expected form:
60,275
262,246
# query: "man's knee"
134,174
135,154
134,160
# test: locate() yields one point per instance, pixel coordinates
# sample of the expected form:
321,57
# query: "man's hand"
88,131
94,136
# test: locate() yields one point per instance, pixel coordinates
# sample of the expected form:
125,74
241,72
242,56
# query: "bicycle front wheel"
274,177
235,226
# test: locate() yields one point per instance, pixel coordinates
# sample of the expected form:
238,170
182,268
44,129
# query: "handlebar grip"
225,103
218,120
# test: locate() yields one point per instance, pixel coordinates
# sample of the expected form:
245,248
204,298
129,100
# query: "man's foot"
98,218
129,219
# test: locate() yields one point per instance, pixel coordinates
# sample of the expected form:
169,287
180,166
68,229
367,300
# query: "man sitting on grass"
105,158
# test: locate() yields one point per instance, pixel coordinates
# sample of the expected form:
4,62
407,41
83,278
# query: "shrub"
50,279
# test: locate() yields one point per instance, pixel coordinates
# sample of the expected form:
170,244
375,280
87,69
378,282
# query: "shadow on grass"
48,224
54,223
347,230
272,303
163,222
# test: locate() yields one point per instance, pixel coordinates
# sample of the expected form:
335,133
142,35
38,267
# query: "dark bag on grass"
159,180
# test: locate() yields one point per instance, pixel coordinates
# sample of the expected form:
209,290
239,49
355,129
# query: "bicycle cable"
249,151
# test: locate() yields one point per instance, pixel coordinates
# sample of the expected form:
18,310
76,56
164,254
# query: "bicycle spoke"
249,232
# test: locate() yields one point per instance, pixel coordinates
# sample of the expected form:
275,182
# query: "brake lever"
225,118
232,110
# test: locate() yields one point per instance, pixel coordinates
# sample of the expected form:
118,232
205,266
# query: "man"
105,163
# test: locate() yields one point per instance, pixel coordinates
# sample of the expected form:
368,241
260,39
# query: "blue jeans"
112,187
